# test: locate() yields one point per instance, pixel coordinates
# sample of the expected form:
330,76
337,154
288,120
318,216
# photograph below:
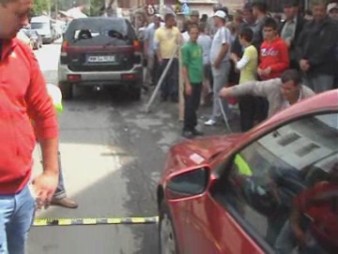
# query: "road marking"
94,221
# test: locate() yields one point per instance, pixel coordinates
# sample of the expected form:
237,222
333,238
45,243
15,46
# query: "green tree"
96,7
41,6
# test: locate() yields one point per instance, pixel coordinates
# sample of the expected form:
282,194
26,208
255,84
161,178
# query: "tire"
166,232
66,90
135,93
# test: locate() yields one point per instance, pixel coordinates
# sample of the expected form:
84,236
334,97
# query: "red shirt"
318,203
23,97
274,54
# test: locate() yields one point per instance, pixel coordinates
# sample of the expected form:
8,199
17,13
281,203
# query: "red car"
273,189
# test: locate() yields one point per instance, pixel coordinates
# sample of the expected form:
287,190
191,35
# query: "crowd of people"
251,46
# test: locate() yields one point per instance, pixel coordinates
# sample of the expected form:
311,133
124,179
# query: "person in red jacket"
23,96
274,53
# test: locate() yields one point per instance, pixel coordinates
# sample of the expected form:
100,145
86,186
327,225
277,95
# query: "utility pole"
162,7
56,8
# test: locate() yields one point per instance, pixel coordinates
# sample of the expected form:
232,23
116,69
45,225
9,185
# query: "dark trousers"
170,83
247,107
191,104
253,110
262,108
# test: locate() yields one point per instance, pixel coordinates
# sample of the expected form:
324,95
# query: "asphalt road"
112,158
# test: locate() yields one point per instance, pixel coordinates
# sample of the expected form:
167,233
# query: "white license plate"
101,59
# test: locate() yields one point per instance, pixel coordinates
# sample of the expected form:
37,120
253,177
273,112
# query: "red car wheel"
167,236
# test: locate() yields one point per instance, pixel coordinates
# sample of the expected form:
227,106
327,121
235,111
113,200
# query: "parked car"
34,36
269,190
22,36
44,26
99,52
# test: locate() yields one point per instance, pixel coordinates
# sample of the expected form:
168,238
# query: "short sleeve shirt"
222,36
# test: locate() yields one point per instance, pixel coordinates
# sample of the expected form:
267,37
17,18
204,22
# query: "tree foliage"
95,7
40,7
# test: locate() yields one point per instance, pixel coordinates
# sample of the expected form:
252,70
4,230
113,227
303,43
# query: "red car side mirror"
188,184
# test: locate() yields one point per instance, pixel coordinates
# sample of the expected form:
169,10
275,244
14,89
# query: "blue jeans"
60,190
16,218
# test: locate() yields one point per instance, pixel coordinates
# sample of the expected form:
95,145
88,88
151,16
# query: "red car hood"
192,153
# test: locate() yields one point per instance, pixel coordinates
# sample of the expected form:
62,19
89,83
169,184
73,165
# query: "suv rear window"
100,31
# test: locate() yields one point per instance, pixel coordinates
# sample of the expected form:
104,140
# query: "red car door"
211,229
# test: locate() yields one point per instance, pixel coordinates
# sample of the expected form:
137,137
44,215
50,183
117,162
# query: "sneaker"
210,122
197,132
188,134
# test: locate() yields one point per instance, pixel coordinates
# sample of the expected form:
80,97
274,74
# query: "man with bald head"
23,100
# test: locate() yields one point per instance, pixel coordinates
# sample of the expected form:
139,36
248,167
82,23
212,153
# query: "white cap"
331,6
220,14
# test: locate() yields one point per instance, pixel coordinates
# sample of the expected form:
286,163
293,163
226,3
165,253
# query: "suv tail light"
64,52
137,51
129,77
64,48
137,46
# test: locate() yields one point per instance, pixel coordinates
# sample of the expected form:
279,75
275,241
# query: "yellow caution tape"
93,221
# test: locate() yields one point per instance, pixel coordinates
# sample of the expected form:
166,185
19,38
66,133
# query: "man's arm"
157,42
146,41
185,74
255,88
43,114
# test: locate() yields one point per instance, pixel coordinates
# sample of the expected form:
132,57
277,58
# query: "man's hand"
300,236
234,57
44,186
225,92
267,71
217,64
288,42
259,72
188,89
304,65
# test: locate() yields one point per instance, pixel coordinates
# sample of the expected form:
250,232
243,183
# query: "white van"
43,25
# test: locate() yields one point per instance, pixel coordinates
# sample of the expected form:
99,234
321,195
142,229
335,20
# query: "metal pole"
56,8
162,7
226,120
159,83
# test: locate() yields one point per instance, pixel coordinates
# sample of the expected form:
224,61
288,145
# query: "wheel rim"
168,244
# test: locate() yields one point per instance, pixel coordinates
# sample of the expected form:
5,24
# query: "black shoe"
188,134
145,88
174,98
164,98
197,132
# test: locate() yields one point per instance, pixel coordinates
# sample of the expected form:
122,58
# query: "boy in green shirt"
192,71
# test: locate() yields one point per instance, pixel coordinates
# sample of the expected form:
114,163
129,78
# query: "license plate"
101,59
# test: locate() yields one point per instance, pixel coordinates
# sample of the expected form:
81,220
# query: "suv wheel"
135,93
66,90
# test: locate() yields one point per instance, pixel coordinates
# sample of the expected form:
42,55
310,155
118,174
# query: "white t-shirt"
205,42
221,37
186,37
149,35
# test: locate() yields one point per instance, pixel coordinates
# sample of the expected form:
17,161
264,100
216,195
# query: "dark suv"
100,51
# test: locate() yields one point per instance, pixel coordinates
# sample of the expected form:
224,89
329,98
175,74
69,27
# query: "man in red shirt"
274,53
23,96
273,61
